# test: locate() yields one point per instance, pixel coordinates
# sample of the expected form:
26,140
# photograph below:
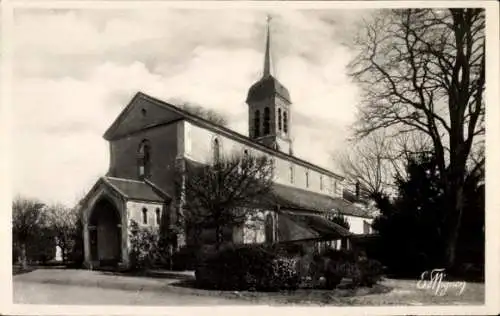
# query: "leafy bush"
289,249
188,257
250,267
144,243
370,272
184,258
284,274
334,265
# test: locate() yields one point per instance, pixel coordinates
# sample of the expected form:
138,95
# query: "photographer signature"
434,280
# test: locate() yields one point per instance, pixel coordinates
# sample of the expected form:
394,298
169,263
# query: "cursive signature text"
435,280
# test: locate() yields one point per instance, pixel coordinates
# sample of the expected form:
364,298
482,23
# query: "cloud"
75,70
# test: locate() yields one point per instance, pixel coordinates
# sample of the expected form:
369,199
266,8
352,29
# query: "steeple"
269,107
267,56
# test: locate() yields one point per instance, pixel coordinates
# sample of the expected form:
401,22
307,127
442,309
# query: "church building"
151,141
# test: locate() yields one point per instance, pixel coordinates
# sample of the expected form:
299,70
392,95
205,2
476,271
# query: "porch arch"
105,233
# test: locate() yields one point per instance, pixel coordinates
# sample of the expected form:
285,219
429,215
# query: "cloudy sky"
75,70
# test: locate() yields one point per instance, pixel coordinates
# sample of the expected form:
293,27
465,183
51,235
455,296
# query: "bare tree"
27,220
221,195
63,222
367,163
424,70
198,110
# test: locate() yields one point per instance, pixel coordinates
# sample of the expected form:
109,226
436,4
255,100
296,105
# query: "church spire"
267,57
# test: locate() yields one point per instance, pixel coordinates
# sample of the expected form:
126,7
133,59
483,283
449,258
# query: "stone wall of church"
254,229
135,211
199,147
359,225
164,150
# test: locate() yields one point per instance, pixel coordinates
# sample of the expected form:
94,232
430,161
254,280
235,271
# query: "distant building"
151,140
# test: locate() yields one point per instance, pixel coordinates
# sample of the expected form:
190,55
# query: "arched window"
144,215
158,216
307,179
216,150
144,159
256,123
279,119
269,228
267,121
285,122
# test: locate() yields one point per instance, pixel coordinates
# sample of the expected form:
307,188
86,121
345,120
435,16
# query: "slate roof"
320,227
267,87
136,190
288,197
295,198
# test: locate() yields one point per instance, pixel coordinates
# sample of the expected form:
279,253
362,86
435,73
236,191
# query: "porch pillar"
86,244
125,240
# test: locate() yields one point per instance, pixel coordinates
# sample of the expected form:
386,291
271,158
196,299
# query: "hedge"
247,268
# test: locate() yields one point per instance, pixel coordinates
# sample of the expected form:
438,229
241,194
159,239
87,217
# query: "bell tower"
269,107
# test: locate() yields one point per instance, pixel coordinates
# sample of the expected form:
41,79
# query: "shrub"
289,249
188,257
334,265
370,272
144,243
284,275
247,268
185,258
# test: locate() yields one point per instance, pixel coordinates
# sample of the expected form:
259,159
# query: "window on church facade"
144,216
366,227
144,159
321,182
256,123
285,122
307,179
267,121
216,150
291,174
269,228
158,216
279,119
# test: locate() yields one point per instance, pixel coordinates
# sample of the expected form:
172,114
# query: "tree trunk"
64,254
453,223
24,257
218,236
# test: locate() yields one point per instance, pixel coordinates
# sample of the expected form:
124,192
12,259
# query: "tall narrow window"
321,182
279,119
307,179
145,216
267,121
216,150
269,228
256,123
144,159
285,122
291,174
158,216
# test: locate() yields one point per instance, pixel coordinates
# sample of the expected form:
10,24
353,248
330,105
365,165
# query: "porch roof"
137,190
